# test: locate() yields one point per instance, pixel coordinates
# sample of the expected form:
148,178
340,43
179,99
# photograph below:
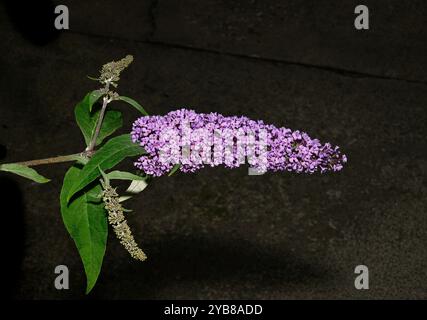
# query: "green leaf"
86,222
174,169
134,104
123,175
124,198
112,121
87,120
104,176
92,78
92,97
110,154
24,171
80,158
136,186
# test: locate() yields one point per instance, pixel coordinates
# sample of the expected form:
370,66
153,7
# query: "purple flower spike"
196,139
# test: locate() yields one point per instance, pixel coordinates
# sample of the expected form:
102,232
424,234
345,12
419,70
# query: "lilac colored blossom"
196,139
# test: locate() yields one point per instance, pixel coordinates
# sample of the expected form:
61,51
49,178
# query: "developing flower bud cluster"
117,220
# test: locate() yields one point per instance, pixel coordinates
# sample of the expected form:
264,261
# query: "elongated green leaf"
110,154
134,104
92,78
91,98
87,120
24,171
136,187
123,175
174,169
124,198
86,222
104,176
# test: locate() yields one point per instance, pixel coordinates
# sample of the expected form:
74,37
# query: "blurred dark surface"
34,20
13,235
221,233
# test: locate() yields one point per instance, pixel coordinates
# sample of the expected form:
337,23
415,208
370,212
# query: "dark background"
221,233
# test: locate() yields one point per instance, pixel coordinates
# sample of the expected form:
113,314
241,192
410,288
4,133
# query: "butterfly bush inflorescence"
198,139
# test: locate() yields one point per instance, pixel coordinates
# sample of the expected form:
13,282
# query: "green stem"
91,146
58,159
